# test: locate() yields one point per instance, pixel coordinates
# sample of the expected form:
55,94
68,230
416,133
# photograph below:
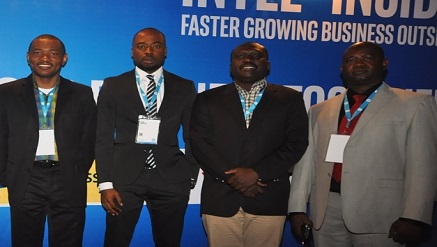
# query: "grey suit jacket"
389,163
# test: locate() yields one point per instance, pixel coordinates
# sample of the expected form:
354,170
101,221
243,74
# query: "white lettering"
386,8
222,26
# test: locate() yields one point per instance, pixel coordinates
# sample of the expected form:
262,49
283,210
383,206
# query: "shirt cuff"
105,186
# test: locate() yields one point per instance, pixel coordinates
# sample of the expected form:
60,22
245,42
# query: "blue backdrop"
305,40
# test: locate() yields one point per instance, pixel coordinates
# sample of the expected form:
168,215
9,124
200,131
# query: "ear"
385,63
64,59
27,58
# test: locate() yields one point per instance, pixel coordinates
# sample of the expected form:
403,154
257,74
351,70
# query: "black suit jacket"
274,142
118,158
75,123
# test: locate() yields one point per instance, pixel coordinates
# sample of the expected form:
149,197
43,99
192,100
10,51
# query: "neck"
360,89
245,85
46,83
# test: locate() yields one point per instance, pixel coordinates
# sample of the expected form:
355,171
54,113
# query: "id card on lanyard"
148,130
337,142
46,141
148,127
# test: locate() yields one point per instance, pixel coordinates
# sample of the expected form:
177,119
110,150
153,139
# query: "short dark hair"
48,36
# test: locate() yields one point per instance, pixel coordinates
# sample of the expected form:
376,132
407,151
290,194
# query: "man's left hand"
403,232
242,179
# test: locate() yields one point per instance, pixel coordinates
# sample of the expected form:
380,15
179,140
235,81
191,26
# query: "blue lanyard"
148,102
347,111
45,106
253,106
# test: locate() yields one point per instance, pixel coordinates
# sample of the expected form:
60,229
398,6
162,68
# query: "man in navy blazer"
246,136
47,135
126,177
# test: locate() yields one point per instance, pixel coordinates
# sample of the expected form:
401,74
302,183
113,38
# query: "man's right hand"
296,221
111,201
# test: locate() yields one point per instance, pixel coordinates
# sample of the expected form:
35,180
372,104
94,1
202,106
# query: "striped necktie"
151,112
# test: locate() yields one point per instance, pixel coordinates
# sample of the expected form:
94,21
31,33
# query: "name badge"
46,143
148,130
336,146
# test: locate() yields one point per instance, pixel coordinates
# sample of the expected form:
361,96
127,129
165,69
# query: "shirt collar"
143,73
258,85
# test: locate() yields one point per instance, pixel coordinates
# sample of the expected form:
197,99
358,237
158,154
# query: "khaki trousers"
244,230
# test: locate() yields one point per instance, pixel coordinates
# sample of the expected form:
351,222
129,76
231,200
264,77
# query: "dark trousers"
45,199
166,203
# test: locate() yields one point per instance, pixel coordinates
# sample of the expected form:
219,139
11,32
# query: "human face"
149,50
249,63
46,57
363,66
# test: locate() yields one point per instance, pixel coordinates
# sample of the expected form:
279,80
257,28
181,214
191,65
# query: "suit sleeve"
421,164
186,116
201,140
88,134
303,175
4,129
105,133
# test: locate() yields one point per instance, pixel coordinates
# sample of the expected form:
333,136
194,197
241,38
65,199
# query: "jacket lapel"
334,113
381,98
63,95
231,101
263,107
28,97
132,94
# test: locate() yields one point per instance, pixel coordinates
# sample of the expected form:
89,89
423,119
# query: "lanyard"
253,106
363,106
45,106
149,102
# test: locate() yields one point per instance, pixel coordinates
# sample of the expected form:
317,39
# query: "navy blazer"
275,140
75,124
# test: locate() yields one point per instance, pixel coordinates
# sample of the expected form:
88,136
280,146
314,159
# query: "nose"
148,49
247,58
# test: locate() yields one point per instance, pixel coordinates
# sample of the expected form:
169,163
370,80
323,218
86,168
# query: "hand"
255,190
403,232
243,178
111,201
296,221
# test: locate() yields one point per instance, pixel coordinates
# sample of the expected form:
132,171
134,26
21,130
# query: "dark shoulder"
219,90
283,93
171,77
13,84
121,77
75,86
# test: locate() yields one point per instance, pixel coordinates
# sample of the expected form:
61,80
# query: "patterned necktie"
151,111
342,129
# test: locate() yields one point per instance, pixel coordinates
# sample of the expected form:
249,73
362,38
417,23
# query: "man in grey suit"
137,150
370,173
47,135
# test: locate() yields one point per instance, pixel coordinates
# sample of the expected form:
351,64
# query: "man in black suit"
47,135
246,136
137,151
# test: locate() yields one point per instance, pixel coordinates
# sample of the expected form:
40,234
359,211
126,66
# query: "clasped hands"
245,181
